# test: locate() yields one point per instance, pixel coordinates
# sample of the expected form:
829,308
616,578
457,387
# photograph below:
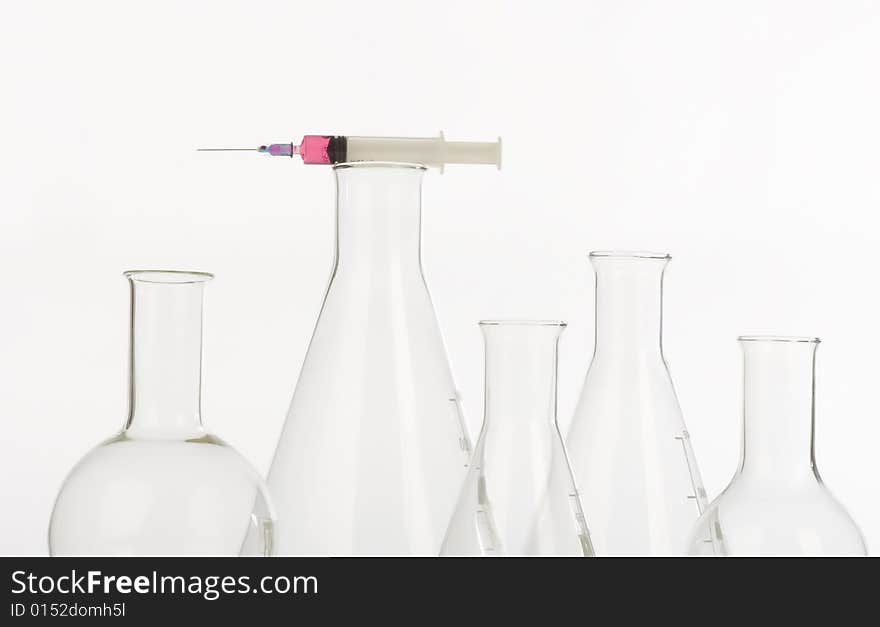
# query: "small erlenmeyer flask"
163,485
628,445
374,448
519,497
776,503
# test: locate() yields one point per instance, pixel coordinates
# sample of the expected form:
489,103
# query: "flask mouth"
352,165
628,254
167,276
523,323
802,339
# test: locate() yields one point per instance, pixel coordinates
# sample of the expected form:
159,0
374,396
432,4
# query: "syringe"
430,151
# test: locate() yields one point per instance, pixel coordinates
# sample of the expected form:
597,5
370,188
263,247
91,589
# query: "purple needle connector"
280,150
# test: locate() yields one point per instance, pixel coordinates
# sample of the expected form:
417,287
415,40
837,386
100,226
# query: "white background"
739,136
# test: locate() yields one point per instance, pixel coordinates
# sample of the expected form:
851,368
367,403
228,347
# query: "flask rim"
802,339
168,276
354,165
629,254
528,323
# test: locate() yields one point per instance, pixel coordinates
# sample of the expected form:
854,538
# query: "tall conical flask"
519,497
374,448
776,503
628,444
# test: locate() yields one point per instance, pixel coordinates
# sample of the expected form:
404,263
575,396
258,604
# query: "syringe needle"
276,150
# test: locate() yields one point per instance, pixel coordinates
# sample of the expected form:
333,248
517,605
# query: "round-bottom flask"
776,503
163,485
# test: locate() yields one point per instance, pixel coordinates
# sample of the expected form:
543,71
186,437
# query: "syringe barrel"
430,151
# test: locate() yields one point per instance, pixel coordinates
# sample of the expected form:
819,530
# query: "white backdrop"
741,137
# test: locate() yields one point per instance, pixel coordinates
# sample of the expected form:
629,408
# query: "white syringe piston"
433,152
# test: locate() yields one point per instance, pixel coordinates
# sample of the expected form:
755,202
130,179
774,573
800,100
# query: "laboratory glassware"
519,497
776,503
429,151
374,449
163,485
628,445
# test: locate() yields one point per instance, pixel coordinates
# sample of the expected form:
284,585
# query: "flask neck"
165,354
521,362
778,408
378,216
629,301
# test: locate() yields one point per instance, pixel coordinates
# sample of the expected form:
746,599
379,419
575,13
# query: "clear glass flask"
519,497
628,445
776,503
374,448
163,485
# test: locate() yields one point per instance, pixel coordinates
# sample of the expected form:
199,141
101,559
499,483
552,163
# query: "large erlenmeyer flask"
374,448
776,503
519,497
163,485
628,445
